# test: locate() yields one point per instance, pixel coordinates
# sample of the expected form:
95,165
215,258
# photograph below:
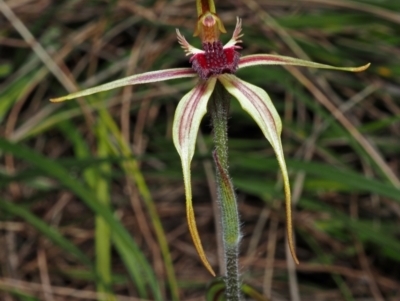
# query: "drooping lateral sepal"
143,78
188,115
257,103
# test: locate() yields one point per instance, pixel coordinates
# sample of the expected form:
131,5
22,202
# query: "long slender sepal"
257,103
188,115
272,59
144,78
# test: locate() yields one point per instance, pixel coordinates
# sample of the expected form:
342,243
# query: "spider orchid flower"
217,62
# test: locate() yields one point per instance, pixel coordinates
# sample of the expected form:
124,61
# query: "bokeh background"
91,192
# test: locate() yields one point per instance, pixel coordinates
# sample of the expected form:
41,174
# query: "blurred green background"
91,191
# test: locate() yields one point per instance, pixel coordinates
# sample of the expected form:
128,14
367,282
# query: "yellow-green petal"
188,115
257,103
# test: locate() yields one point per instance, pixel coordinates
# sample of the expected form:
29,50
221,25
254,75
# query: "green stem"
219,108
102,233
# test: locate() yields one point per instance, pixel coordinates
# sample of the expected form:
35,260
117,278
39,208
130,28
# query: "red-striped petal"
272,59
144,78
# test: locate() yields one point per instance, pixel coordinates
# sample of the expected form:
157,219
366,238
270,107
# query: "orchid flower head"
218,62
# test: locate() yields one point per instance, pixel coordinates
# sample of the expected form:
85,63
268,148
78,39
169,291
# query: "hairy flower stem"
219,109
